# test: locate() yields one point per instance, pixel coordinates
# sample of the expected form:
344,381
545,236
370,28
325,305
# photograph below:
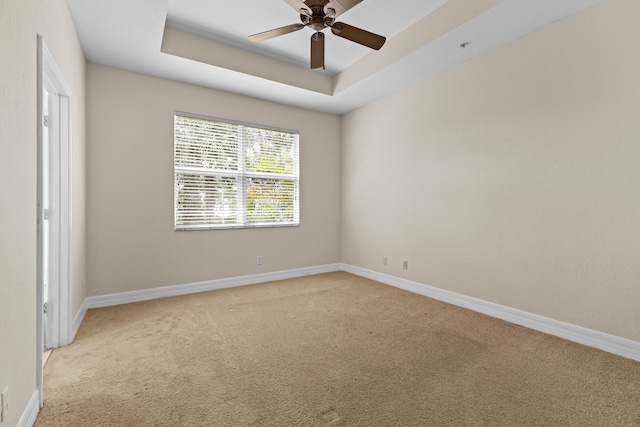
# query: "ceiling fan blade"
299,6
360,36
317,50
275,32
341,6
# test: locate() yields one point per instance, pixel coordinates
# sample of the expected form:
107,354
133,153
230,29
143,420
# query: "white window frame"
241,175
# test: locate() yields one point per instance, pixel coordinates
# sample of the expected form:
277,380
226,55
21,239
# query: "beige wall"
132,243
513,178
20,22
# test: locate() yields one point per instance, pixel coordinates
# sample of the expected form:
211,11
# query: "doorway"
53,292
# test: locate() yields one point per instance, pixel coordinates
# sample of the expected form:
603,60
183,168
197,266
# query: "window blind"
233,174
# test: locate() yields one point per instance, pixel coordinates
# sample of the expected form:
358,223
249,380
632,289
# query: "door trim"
48,72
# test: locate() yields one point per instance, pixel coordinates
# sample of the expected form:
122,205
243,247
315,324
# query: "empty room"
319,213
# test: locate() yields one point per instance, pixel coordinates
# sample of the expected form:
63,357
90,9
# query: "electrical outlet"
259,261
4,404
405,265
384,260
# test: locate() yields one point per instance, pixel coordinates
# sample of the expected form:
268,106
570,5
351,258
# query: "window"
234,175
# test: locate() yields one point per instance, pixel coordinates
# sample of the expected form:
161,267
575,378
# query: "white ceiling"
204,42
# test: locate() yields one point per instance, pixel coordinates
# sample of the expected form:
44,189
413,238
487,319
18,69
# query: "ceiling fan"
318,15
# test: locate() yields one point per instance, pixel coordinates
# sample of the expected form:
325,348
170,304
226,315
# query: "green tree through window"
231,174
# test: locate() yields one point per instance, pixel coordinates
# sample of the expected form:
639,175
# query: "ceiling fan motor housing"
319,19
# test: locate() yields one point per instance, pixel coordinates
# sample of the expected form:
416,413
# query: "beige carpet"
327,350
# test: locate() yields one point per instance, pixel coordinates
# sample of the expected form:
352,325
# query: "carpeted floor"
327,350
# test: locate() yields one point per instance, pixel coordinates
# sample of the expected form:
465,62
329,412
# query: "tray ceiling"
205,42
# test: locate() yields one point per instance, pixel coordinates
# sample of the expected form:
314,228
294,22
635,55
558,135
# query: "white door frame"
59,313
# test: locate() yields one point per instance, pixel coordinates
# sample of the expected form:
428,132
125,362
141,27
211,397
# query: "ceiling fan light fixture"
317,23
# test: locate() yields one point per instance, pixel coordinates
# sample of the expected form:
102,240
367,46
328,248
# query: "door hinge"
44,308
46,214
45,121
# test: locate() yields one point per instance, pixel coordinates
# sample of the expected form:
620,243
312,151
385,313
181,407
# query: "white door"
50,214
46,210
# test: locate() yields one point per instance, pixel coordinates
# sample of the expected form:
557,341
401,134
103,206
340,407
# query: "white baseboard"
77,321
600,340
210,285
30,413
